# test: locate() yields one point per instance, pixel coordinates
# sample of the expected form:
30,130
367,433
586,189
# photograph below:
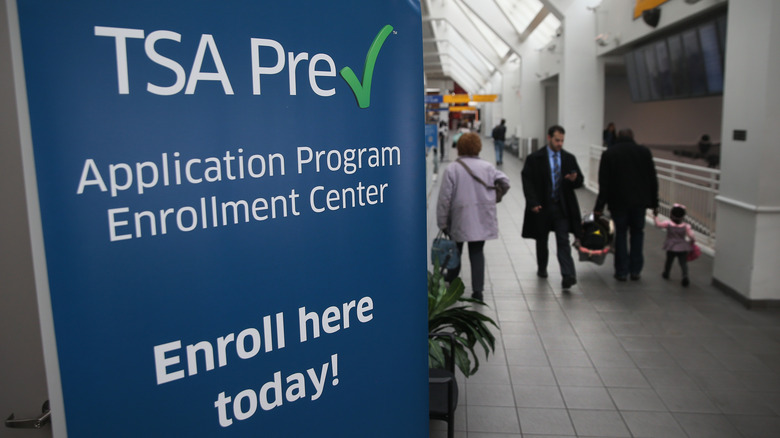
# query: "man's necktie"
556,176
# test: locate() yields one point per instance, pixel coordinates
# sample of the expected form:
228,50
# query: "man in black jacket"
628,185
550,176
499,136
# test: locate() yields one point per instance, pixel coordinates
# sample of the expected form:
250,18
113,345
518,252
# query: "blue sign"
234,230
431,135
434,98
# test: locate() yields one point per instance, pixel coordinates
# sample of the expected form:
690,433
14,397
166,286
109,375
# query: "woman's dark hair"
469,144
677,212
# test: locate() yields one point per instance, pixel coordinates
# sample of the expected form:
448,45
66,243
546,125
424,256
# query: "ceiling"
468,41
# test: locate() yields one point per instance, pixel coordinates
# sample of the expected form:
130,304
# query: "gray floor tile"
517,328
652,359
545,421
489,395
653,424
707,426
492,419
577,376
513,315
640,343
772,400
715,379
742,402
561,342
536,396
623,377
568,358
759,381
757,426
687,400
669,378
487,374
610,358
531,375
530,340
529,357
584,397
599,423
637,399
547,436
493,435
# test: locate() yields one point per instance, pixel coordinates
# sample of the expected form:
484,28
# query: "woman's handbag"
694,253
444,252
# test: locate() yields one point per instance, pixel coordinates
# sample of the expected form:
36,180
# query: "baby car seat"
596,241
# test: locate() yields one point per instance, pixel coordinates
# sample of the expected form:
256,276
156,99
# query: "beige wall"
680,121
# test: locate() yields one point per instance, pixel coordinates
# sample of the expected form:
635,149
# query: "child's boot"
685,282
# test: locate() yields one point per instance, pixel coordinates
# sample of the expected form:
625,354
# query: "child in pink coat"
679,241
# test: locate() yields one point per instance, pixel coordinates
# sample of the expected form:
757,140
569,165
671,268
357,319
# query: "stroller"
596,241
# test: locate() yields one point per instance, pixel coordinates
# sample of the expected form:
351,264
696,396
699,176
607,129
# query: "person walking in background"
466,209
704,146
442,137
679,241
499,136
550,176
628,185
609,136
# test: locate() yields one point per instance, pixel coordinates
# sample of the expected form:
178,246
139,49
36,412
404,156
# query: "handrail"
694,186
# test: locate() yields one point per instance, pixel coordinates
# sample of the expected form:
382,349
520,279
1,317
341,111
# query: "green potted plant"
449,311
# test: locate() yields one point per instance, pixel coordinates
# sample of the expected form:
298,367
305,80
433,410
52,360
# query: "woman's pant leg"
477,259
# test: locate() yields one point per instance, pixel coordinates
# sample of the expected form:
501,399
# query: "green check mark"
362,90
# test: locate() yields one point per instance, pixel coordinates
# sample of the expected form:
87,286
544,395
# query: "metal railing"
693,186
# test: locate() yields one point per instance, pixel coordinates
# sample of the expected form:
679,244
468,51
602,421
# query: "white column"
581,82
748,211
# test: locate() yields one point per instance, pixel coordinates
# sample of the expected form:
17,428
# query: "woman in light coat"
466,209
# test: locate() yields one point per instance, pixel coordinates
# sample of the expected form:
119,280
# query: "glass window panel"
712,61
677,61
520,13
633,82
694,63
652,72
641,74
544,32
489,35
722,35
664,70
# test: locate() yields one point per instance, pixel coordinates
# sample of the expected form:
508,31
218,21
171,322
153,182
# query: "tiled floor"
637,359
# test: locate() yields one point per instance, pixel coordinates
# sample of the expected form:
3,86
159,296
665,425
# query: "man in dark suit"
550,176
628,185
